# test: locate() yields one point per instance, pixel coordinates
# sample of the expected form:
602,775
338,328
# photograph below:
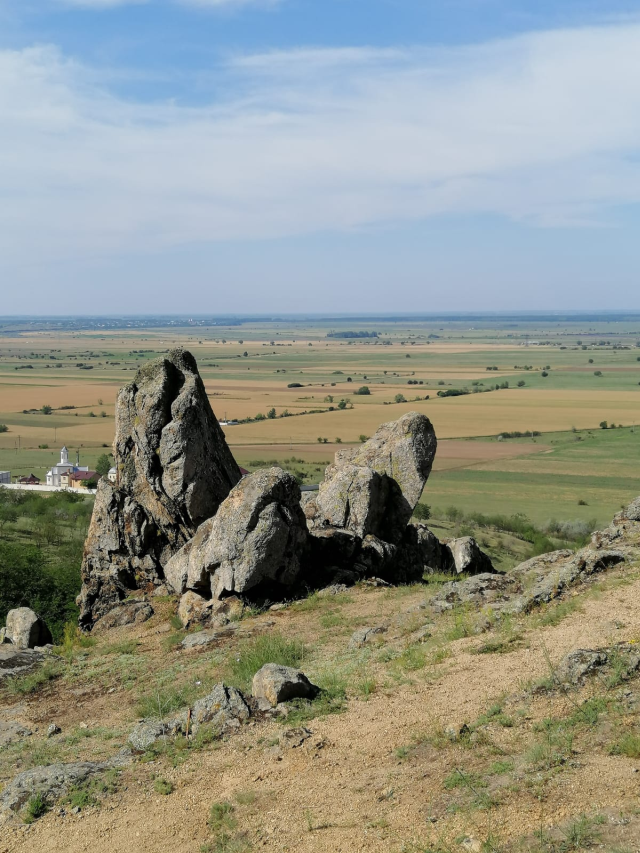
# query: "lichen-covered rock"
193,609
130,613
25,629
273,684
256,537
365,635
223,707
174,469
51,782
575,666
383,479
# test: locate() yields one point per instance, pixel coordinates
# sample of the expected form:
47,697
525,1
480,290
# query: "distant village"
63,475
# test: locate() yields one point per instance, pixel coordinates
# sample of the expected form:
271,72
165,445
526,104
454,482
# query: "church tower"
64,456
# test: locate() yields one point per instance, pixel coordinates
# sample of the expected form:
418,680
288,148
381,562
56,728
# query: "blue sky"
199,156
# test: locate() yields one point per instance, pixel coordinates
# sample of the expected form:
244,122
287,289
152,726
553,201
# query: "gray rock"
25,629
275,684
148,732
130,613
53,729
15,661
575,666
193,609
373,489
256,537
434,555
467,556
174,469
208,637
480,590
365,635
333,589
52,782
223,707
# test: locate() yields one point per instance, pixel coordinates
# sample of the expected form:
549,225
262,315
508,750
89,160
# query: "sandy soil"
346,789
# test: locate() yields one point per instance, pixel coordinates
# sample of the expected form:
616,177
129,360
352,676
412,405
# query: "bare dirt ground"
376,777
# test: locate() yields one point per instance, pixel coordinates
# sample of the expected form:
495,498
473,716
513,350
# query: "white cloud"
544,129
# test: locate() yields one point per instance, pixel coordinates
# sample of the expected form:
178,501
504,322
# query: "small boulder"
130,613
274,684
365,635
53,729
575,666
467,556
193,609
52,781
224,707
25,629
146,733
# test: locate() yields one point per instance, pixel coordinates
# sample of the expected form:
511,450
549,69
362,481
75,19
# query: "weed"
254,653
35,808
176,623
500,646
581,833
331,700
553,614
245,798
162,786
221,816
126,647
628,745
460,628
458,779
33,681
163,701
500,767
366,688
402,752
81,796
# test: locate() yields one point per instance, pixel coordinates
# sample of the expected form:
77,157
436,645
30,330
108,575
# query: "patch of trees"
454,392
351,334
516,434
363,391
41,542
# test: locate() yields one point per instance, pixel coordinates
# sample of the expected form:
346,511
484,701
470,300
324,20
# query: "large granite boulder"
173,470
256,537
467,557
274,683
373,489
25,629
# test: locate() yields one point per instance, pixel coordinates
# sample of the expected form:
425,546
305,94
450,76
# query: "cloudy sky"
197,156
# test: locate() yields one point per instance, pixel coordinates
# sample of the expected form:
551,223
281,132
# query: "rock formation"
180,517
256,537
174,469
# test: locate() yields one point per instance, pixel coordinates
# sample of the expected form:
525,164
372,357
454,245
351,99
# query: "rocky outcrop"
256,538
274,683
130,613
174,469
543,578
51,782
373,489
25,629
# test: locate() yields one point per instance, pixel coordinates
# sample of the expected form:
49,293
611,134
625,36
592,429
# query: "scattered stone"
53,729
224,707
129,613
293,738
173,470
161,590
275,684
479,590
280,606
365,635
25,629
148,732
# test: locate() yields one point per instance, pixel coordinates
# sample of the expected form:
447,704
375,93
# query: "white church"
58,476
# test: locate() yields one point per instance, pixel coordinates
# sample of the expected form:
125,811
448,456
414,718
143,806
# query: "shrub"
422,512
36,807
4,428
363,391
400,398
295,385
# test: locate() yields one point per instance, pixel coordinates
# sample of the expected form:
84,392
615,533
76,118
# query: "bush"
400,398
363,391
295,385
4,428
422,512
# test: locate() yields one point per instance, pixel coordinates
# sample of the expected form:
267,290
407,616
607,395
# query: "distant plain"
592,375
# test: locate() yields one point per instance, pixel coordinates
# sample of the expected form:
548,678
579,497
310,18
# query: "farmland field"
296,389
